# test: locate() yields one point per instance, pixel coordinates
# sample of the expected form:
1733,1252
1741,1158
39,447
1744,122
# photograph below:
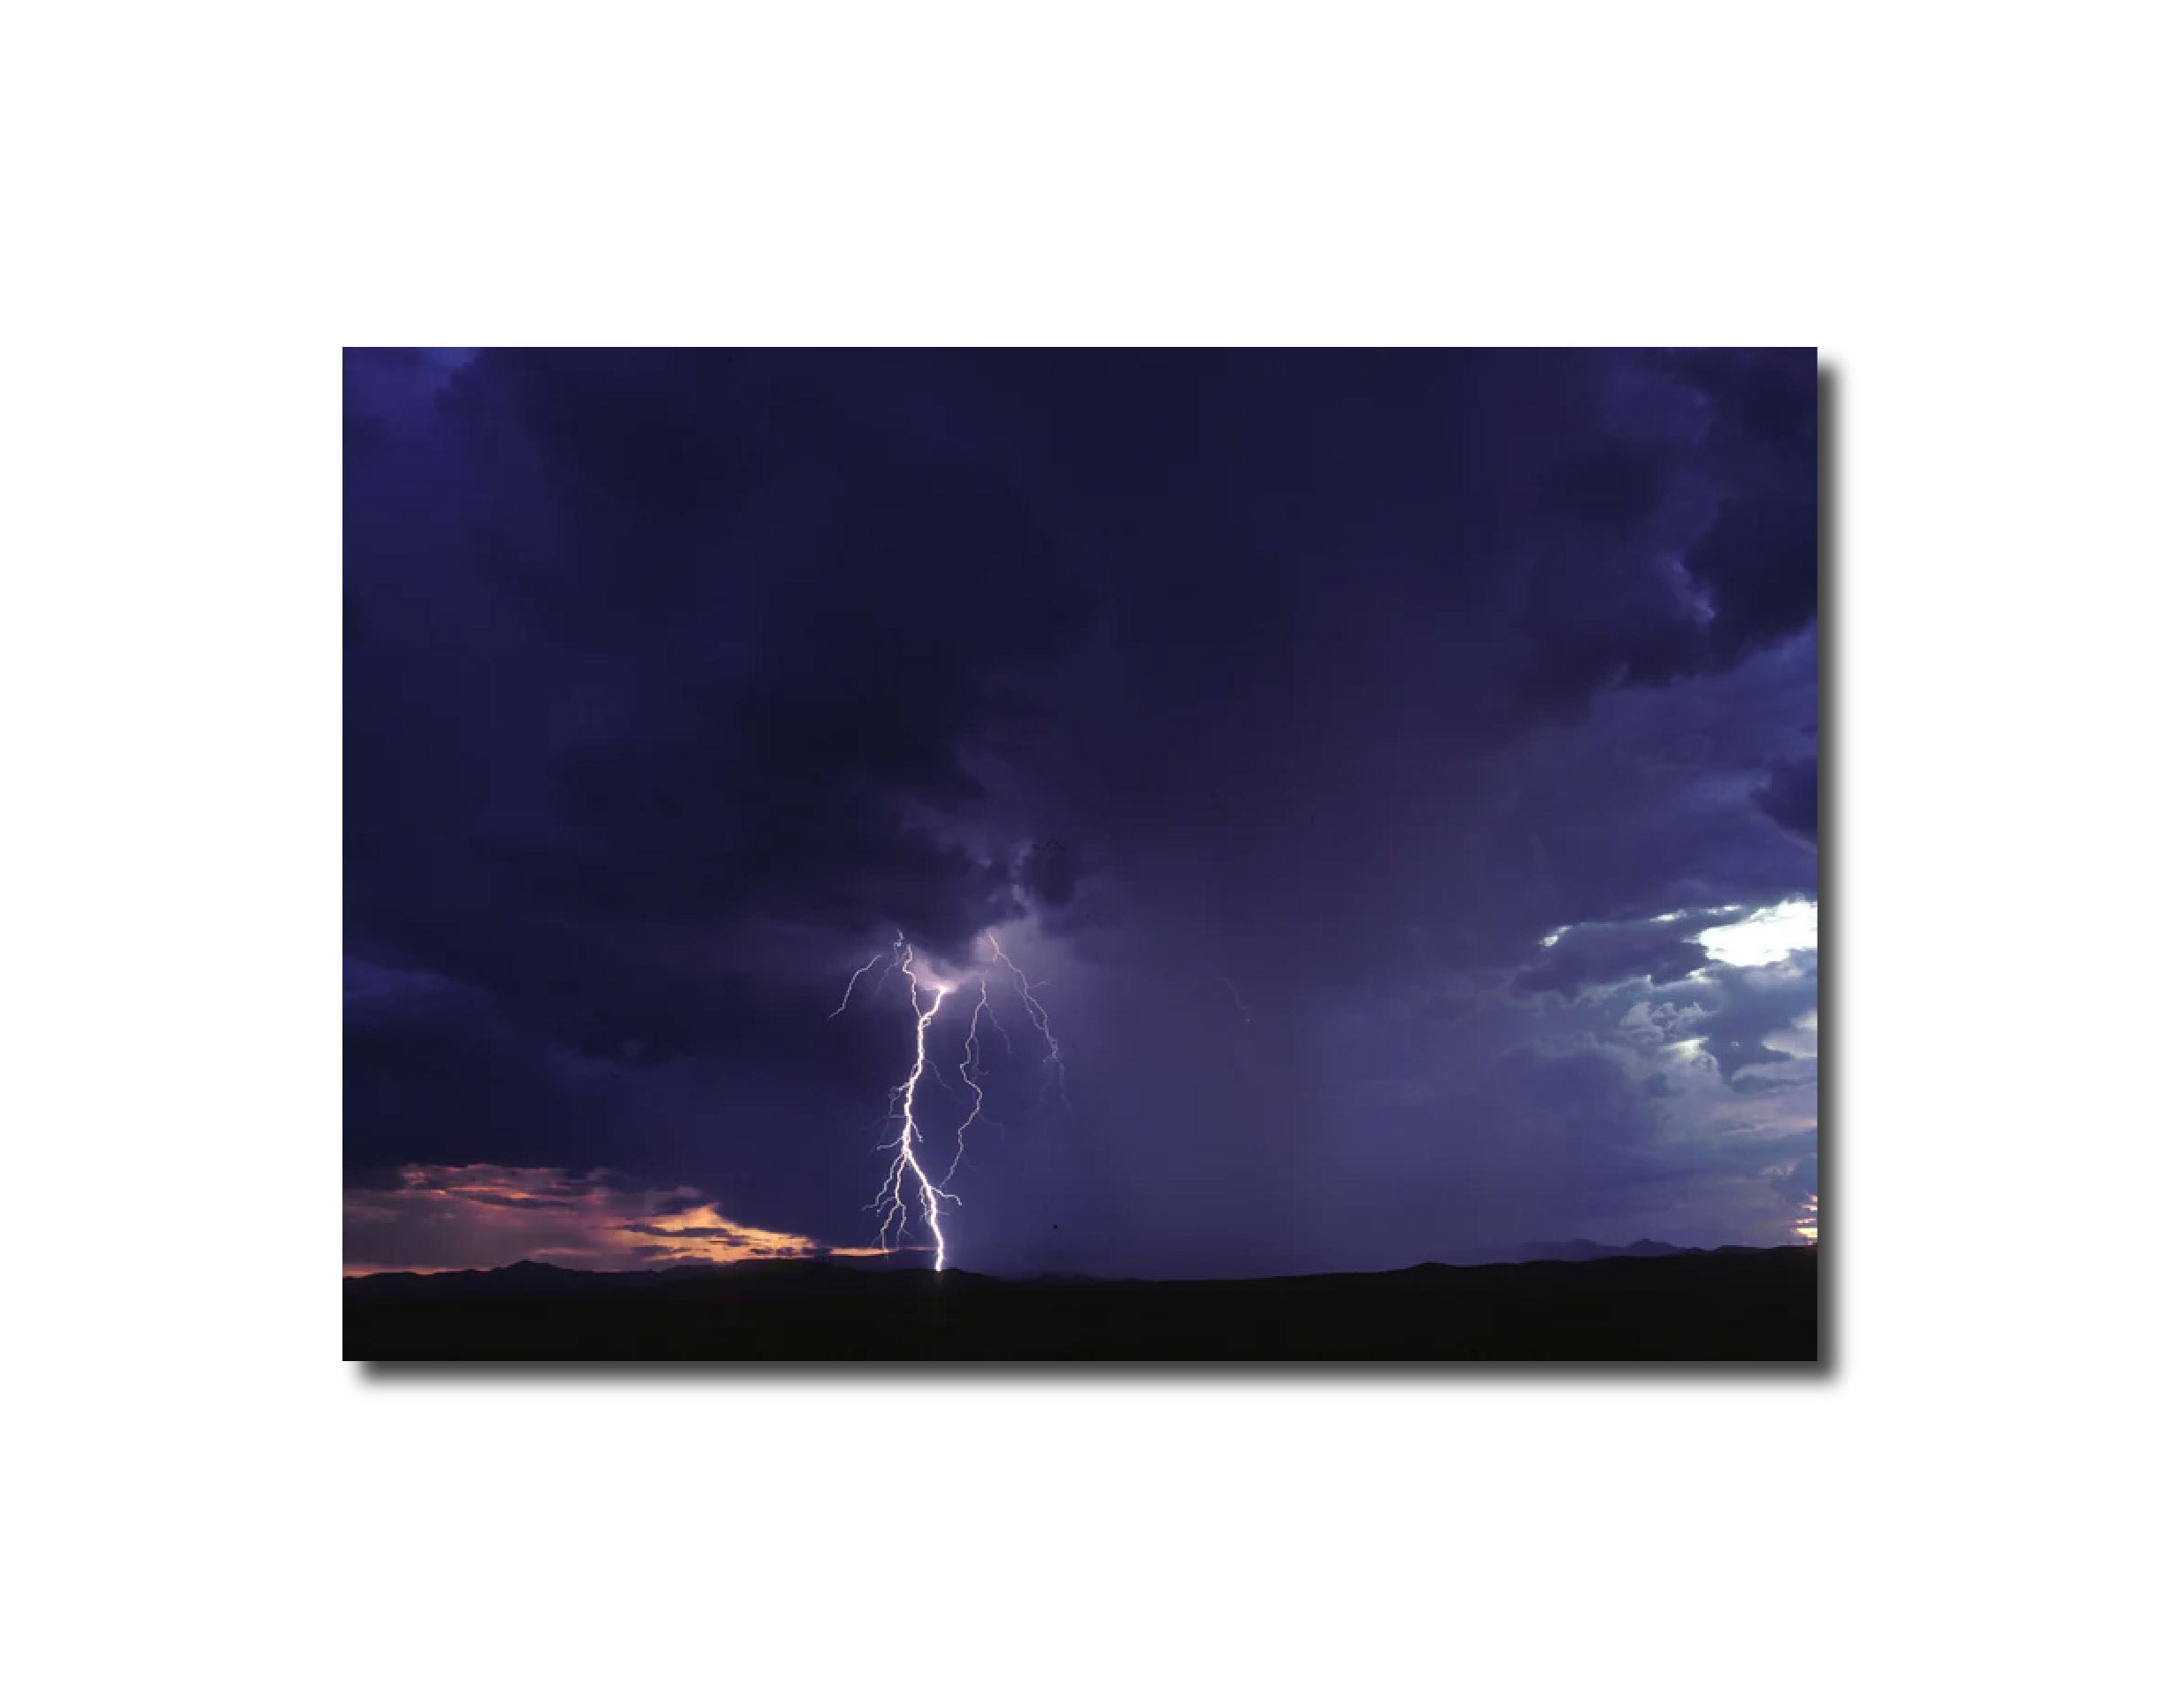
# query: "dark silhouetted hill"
1646,1301
1576,1251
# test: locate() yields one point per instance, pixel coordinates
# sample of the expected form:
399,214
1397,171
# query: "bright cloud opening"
1765,936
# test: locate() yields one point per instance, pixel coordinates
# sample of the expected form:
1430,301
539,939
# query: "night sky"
1397,770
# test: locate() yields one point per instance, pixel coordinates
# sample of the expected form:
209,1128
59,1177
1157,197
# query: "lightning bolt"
1035,1013
971,1065
907,1186
849,992
1004,1036
907,1172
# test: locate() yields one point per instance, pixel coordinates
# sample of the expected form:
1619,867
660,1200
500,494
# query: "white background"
206,200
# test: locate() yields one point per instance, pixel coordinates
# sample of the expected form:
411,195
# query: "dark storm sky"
1277,710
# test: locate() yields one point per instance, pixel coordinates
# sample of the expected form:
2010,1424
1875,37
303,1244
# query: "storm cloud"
1351,741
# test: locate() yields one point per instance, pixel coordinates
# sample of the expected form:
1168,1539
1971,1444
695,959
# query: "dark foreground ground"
1731,1303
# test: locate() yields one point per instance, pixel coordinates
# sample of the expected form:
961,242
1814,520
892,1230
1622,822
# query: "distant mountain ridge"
528,1278
1584,1251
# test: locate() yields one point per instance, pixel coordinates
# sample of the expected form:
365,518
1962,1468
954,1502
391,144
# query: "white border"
212,199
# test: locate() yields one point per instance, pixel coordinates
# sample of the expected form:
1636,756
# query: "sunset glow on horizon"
487,1215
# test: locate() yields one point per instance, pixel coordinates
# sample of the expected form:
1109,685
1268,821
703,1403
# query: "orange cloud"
479,1216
